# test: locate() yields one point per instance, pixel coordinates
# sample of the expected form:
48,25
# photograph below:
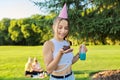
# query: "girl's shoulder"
48,45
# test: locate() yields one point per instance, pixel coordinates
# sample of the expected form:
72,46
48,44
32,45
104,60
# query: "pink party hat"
63,12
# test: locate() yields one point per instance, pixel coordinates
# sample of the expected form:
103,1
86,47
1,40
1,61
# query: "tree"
4,35
15,32
91,20
75,7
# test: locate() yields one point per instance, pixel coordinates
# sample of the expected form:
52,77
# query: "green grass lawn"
13,59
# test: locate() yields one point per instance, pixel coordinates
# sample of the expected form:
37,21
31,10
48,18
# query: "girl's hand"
84,48
66,51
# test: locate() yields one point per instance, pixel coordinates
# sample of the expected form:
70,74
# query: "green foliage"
99,24
93,24
4,34
26,30
46,34
36,29
4,24
15,31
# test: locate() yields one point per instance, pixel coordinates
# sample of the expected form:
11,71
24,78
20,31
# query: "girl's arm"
51,64
75,58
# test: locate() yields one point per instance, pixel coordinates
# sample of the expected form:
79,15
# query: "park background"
95,22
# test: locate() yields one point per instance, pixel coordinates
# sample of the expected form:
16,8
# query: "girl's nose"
63,30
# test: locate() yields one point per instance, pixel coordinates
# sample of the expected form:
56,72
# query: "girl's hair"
58,19
30,60
35,60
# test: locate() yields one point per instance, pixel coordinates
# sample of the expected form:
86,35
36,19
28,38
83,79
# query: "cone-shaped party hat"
63,12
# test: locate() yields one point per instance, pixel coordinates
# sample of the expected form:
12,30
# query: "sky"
18,9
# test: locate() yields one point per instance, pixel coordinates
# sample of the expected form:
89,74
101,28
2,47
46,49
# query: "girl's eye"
60,27
66,28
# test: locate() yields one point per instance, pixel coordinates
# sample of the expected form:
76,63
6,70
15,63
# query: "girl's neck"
58,39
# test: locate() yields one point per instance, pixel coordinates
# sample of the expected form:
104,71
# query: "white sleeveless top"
66,58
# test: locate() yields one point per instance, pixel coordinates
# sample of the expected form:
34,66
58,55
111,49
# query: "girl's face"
61,29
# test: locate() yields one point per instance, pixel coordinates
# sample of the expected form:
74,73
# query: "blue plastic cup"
82,56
